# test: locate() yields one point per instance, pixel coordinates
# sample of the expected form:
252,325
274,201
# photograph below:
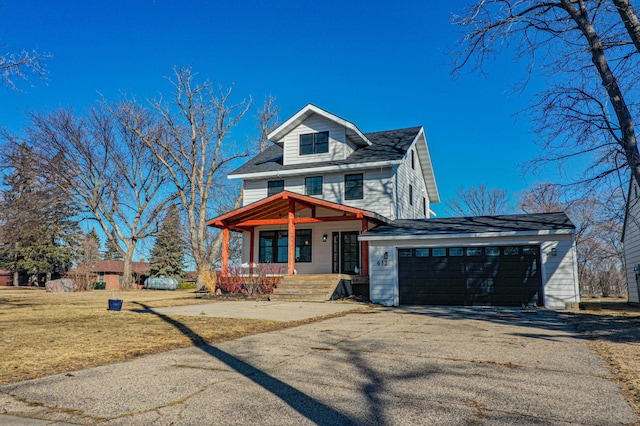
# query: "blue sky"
379,64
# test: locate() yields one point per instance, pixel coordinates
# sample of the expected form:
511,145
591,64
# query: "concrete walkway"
263,310
408,365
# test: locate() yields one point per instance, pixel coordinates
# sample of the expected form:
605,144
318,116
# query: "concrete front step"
313,287
297,297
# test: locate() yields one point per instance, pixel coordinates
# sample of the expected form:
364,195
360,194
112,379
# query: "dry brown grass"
615,335
47,333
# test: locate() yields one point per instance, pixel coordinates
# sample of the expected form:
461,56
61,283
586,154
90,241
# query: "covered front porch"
306,234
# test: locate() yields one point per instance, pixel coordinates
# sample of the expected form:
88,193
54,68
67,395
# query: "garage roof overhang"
275,210
404,237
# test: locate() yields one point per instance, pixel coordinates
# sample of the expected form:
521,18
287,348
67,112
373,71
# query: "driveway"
408,365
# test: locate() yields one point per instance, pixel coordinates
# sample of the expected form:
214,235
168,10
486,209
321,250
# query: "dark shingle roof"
385,146
475,225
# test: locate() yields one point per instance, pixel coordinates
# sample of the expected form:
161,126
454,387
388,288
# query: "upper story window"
274,186
411,195
313,185
314,143
413,159
353,187
424,206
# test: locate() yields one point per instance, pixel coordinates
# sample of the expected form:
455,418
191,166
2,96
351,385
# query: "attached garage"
510,260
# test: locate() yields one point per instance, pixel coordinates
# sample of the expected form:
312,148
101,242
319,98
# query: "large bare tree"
108,170
587,52
479,201
195,153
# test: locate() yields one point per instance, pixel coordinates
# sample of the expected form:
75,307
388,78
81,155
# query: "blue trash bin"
115,304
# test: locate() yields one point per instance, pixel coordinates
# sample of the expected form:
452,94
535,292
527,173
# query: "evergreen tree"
89,252
39,226
168,251
111,251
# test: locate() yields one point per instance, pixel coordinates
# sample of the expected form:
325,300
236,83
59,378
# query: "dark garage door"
495,275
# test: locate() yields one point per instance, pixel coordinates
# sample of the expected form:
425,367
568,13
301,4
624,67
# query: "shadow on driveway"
310,408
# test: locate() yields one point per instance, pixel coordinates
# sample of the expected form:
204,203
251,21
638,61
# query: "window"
353,187
474,251
413,160
405,252
303,245
274,186
456,251
423,252
424,206
492,251
529,250
314,143
439,252
273,246
411,194
511,251
313,185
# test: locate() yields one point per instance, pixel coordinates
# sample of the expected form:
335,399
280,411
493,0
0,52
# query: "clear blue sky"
379,64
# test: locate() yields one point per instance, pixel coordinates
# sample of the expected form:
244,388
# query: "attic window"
314,143
413,159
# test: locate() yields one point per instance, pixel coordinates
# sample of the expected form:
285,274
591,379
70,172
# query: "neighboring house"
111,272
631,242
316,199
6,278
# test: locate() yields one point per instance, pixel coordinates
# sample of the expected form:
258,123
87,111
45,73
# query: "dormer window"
314,143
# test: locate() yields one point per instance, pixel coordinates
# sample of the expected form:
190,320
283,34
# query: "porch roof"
274,210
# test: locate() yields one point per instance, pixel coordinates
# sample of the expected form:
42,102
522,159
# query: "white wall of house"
320,251
559,273
407,175
378,189
631,240
339,146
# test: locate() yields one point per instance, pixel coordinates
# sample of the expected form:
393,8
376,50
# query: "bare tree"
598,223
479,201
542,198
108,170
195,153
587,52
19,66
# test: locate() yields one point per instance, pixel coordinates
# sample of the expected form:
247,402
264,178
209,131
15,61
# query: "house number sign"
384,260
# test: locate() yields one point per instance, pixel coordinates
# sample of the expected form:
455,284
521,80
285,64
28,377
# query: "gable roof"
276,207
520,224
353,132
387,146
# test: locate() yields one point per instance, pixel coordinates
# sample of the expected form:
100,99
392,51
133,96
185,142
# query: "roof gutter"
404,237
316,170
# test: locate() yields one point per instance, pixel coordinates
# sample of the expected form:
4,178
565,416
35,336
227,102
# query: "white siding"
631,240
406,175
378,191
339,148
559,276
254,190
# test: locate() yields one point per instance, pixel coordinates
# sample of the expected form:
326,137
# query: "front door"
350,253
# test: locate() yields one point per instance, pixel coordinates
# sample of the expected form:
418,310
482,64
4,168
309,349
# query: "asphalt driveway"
408,365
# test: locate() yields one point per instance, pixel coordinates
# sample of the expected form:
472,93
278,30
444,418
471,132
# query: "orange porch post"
224,268
292,238
251,242
364,249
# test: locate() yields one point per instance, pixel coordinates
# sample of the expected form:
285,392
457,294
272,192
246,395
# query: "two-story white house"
315,198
